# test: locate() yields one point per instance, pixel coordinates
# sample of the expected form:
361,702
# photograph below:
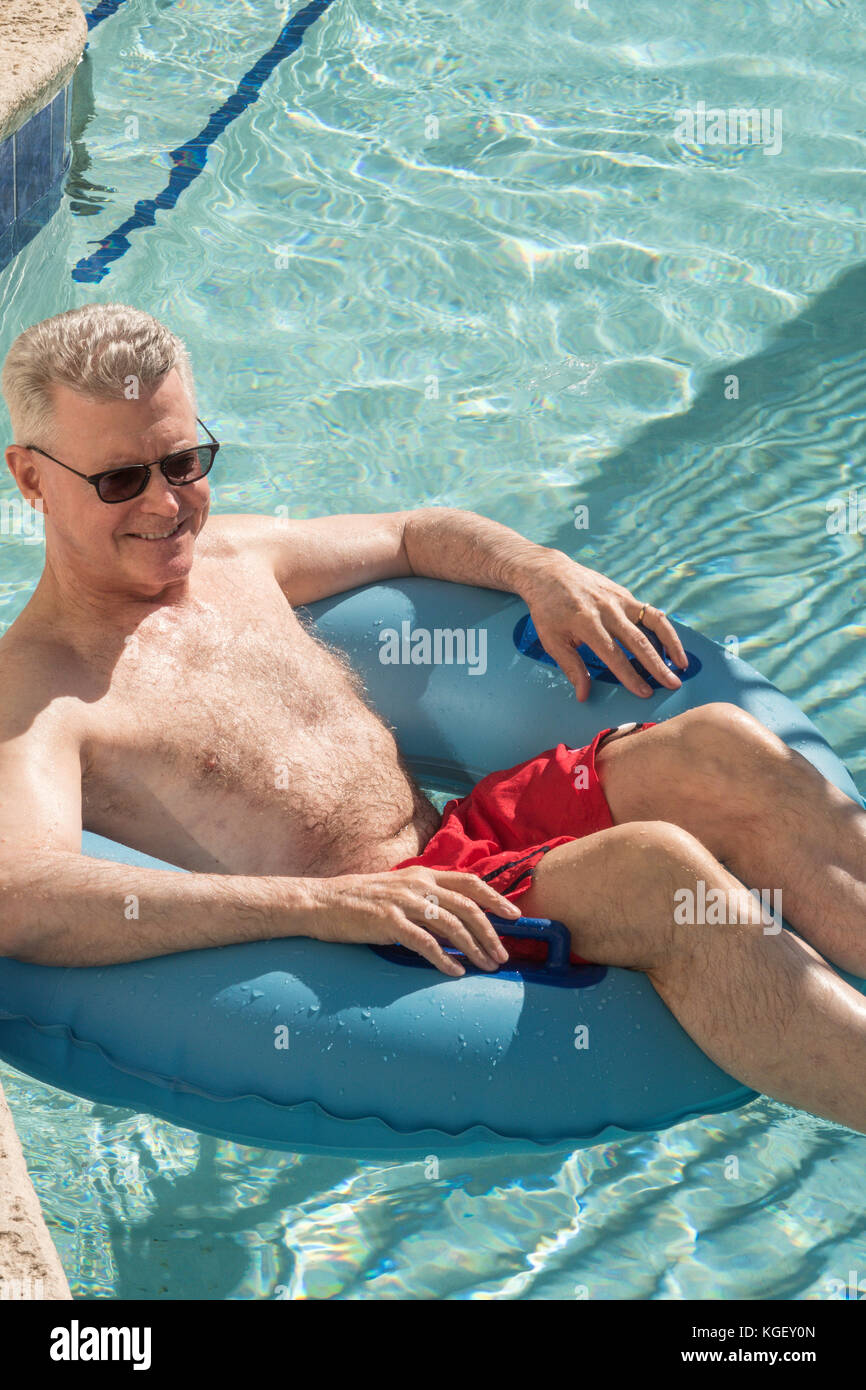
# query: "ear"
22,464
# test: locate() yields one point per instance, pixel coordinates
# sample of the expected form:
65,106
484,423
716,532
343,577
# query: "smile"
157,535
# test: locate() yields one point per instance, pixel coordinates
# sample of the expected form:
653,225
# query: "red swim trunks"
510,820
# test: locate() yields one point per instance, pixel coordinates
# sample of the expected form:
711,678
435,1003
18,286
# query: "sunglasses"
122,484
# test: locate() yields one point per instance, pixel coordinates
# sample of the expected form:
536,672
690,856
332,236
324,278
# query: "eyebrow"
136,463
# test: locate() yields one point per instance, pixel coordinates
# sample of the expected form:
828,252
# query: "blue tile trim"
26,227
103,10
33,163
32,160
190,159
16,236
58,136
7,183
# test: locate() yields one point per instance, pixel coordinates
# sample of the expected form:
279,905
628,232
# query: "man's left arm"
569,603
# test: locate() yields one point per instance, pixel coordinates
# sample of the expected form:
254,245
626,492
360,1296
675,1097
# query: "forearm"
445,543
61,908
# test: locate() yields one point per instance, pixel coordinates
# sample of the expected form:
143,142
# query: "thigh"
686,771
636,772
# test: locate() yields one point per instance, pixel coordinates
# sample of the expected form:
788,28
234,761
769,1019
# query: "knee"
720,720
652,861
651,849
728,735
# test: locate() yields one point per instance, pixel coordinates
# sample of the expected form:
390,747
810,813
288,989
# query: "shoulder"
233,535
40,688
314,557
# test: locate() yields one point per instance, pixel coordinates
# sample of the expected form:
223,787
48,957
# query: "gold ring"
641,613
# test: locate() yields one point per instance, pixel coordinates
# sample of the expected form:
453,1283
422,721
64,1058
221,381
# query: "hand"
415,907
570,604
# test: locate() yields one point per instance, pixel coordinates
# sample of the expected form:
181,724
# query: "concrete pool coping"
41,42
30,1267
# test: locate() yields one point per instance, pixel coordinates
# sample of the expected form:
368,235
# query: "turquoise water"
381,277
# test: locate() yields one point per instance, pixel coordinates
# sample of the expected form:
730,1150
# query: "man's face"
142,546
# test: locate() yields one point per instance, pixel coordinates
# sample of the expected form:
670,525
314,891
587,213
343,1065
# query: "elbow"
18,935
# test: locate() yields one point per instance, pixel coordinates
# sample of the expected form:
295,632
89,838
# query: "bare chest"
242,745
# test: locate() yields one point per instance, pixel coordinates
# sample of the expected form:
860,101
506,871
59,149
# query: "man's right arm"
60,907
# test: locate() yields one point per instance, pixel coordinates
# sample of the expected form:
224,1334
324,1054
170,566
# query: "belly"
312,802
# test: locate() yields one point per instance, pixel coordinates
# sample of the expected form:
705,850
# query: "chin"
169,569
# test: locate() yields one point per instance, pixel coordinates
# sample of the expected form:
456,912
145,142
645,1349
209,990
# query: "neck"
79,602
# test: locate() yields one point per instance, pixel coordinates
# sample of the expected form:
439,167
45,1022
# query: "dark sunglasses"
122,484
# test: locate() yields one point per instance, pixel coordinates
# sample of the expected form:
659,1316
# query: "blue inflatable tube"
345,1049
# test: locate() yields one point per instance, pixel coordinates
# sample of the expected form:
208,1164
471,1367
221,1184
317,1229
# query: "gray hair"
95,350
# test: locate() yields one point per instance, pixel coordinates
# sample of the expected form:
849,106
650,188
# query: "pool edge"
30,1266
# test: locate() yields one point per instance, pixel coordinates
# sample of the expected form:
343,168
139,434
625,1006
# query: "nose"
159,495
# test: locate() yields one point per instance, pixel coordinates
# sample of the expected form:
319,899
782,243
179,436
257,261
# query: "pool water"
459,255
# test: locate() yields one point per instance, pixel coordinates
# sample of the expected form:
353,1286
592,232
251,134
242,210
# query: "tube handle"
556,934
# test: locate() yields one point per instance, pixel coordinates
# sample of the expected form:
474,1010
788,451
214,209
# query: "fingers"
462,933
664,629
455,933
615,658
640,646
454,906
468,929
571,665
636,642
408,934
464,925
474,887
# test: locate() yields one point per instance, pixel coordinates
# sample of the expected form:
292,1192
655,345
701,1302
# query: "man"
158,677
